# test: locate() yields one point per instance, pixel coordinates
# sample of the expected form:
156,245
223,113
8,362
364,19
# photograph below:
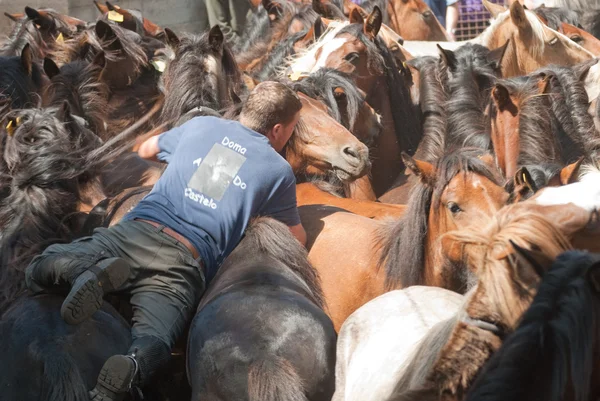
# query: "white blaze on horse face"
213,67
585,193
326,50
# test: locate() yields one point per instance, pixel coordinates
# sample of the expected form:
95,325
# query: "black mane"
185,81
553,347
17,85
406,116
557,15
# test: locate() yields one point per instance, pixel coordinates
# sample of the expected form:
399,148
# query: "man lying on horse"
220,175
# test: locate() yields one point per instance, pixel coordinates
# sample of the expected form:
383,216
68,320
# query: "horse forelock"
553,345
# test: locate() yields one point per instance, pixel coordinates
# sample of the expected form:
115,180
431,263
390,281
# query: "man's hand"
149,149
299,233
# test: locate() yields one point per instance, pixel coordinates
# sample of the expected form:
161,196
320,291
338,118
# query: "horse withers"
260,333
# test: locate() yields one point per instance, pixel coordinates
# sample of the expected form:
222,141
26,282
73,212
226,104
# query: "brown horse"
430,339
414,20
532,44
581,37
131,19
377,256
357,50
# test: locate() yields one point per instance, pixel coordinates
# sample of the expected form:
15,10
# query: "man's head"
273,110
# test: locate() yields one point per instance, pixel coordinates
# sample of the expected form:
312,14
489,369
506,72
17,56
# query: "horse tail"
62,380
273,379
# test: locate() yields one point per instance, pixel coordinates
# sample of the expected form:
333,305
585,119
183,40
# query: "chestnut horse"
430,338
414,20
357,50
379,256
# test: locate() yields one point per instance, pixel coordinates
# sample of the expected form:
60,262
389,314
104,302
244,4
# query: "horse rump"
273,379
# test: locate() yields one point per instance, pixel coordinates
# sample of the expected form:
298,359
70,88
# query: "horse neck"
433,269
387,163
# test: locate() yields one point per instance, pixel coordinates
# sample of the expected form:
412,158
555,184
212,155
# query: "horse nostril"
351,152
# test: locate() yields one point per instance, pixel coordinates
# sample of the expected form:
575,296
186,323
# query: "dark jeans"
165,285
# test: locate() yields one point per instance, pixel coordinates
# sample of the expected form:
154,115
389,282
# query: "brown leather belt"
176,235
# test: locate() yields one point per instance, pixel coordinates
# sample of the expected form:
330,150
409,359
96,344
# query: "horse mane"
591,22
185,81
405,114
272,238
402,242
24,32
433,97
257,28
79,84
45,166
552,347
320,85
470,83
16,85
572,111
538,43
555,16
270,65
369,5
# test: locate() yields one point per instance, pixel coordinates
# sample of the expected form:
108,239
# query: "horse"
132,20
43,357
532,44
81,85
448,337
21,80
581,37
414,20
551,354
276,344
389,255
542,118
356,49
203,72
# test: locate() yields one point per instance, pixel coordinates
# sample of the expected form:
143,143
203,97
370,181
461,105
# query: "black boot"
87,292
116,378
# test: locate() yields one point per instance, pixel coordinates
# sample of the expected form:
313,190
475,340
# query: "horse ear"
518,16
27,59
494,9
41,18
215,38
570,174
112,7
593,276
318,28
373,23
501,97
102,8
422,169
523,178
14,17
448,58
172,38
497,55
50,68
528,260
356,17
544,84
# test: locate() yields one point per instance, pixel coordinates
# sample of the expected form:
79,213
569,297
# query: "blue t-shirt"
438,7
220,175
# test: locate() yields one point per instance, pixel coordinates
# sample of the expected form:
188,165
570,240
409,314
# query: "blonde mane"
541,33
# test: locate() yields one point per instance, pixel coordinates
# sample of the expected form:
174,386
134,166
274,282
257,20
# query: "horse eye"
427,14
351,57
553,41
576,38
453,207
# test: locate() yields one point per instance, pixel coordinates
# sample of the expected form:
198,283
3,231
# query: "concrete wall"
179,15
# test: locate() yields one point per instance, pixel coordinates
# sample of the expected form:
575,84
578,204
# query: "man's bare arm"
149,149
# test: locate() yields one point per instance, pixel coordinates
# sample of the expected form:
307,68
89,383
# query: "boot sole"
86,295
114,379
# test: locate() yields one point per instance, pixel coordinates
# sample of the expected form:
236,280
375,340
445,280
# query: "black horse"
261,333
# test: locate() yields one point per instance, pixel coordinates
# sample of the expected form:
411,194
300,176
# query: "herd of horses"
449,192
